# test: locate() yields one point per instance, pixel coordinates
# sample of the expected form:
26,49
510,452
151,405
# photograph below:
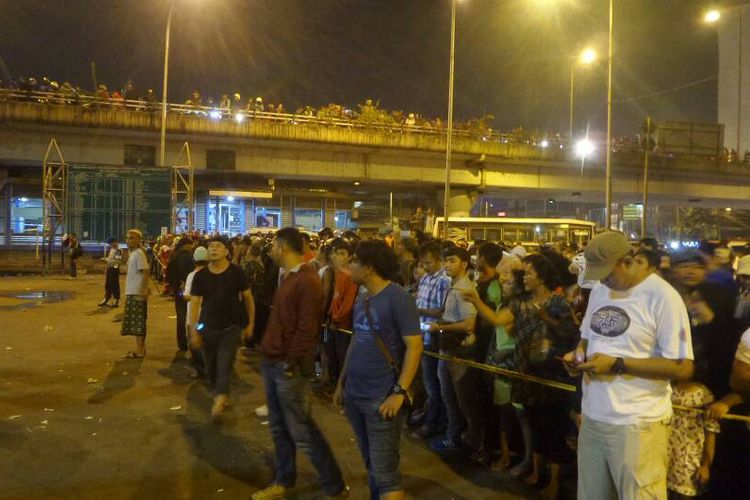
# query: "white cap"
200,254
519,251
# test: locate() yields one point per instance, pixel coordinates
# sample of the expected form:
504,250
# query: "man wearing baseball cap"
635,338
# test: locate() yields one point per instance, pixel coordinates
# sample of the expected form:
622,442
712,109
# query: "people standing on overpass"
635,339
112,277
288,348
136,294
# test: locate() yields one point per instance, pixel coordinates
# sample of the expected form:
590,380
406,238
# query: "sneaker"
273,491
341,494
103,303
261,411
445,444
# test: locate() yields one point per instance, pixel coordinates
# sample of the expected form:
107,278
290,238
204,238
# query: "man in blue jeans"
382,360
431,295
288,349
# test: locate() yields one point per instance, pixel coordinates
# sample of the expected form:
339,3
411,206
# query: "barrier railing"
546,382
218,113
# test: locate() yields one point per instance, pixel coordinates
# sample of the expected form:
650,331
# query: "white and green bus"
514,230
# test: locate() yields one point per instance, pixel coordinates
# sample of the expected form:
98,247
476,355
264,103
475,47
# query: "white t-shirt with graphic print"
647,321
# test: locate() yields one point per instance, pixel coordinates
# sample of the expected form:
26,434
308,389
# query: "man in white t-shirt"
136,295
200,258
635,338
740,378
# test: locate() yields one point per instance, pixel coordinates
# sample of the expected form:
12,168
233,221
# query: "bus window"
476,233
493,235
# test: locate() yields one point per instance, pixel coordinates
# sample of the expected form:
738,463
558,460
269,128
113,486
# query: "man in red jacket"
288,349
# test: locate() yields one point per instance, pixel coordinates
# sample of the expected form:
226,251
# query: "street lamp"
608,174
163,136
586,57
584,148
712,17
449,139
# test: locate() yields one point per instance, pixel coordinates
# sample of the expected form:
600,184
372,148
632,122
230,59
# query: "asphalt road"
77,421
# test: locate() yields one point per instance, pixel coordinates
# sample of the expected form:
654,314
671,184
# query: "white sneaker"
273,491
262,412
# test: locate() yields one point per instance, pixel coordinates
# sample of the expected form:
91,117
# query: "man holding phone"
635,338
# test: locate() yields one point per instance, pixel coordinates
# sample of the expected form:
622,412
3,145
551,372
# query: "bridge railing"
92,111
87,110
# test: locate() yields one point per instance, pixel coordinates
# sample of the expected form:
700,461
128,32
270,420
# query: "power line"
669,91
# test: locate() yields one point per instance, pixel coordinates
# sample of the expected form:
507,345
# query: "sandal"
132,355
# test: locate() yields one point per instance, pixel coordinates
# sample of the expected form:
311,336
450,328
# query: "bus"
514,230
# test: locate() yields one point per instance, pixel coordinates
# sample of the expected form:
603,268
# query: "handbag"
386,353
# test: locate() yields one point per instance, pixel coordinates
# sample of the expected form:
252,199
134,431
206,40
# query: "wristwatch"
397,389
618,367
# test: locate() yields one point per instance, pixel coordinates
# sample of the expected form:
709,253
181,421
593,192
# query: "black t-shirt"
222,302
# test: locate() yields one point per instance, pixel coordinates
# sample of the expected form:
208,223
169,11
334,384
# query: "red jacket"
344,294
292,331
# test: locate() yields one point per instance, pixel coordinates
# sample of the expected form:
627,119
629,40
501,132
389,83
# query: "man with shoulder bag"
381,363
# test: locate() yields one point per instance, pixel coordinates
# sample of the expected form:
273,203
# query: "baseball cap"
200,254
602,253
744,266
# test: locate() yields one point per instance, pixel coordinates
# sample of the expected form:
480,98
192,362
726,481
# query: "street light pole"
449,138
739,84
608,175
647,151
163,136
572,82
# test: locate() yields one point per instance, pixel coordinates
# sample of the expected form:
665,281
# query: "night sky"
512,59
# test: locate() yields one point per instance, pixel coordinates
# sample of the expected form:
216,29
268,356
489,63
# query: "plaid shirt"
433,289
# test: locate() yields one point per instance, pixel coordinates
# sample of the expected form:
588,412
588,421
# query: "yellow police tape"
538,380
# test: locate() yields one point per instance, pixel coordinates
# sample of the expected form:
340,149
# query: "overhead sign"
241,194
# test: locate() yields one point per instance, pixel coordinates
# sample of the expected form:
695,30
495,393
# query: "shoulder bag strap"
379,341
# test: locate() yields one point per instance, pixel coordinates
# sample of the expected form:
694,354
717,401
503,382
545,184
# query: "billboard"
106,201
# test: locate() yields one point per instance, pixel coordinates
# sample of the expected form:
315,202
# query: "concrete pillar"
460,202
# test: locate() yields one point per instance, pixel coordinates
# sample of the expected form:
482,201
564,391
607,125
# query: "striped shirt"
433,289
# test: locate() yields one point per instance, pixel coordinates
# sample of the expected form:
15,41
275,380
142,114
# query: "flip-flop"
132,355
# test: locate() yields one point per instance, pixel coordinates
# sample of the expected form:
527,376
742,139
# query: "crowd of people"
234,105
377,325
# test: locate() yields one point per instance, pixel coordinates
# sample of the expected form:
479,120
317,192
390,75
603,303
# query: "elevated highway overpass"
334,155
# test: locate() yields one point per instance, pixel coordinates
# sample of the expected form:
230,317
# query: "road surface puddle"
17,300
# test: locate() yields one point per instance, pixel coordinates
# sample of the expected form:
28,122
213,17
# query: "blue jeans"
378,440
292,426
456,420
434,418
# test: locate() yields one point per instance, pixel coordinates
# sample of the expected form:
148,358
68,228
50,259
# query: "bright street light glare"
587,56
230,198
239,118
584,148
544,144
214,114
712,16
